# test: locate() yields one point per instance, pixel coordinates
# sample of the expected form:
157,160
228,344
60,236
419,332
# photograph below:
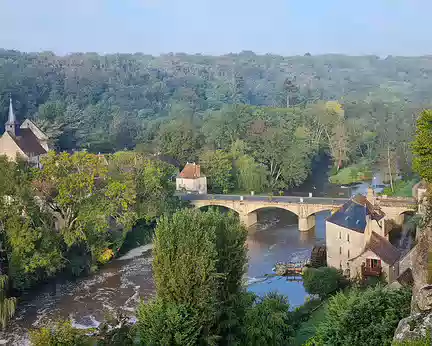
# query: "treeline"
76,212
183,105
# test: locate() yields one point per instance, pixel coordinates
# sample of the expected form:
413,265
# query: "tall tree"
7,305
422,146
217,166
199,262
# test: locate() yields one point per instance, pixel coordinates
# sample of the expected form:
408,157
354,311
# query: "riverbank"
121,283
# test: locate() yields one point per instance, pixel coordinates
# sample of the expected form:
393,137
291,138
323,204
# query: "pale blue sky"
288,27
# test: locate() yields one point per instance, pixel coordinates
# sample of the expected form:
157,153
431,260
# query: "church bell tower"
12,125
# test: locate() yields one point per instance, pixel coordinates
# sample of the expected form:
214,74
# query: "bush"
323,281
168,324
268,322
63,334
367,317
402,188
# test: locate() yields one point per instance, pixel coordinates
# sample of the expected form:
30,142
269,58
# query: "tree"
323,281
422,146
250,176
367,317
151,179
199,262
93,210
268,322
32,247
7,305
217,166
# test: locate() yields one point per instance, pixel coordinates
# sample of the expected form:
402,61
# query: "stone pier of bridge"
305,208
247,209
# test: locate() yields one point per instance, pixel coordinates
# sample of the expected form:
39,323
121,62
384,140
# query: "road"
275,199
291,199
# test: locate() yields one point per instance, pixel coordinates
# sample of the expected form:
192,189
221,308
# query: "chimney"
371,195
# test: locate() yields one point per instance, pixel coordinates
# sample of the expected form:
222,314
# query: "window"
347,264
373,263
348,254
340,264
340,250
340,235
348,237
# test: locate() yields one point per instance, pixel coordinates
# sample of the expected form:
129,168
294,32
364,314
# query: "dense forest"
265,118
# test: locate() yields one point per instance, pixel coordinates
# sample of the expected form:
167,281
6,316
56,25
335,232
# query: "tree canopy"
287,110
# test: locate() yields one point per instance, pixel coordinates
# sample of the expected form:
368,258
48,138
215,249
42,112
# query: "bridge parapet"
305,208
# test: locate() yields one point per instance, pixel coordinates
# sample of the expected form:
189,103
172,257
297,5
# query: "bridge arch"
320,210
213,204
293,210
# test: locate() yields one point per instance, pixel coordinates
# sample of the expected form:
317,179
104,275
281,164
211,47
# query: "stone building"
357,241
190,180
26,140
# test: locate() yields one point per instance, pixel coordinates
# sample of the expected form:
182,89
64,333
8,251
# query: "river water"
120,284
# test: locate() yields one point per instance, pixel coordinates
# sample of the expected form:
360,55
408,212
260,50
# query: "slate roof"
352,215
191,171
406,278
28,143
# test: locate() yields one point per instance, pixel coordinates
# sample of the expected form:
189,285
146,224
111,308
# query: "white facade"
192,185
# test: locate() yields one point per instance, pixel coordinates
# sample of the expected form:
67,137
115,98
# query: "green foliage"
87,200
323,281
168,324
250,176
401,188
7,305
268,322
422,148
425,341
199,262
217,166
63,334
367,317
352,174
76,212
306,320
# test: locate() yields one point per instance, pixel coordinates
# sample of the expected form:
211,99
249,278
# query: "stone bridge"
304,207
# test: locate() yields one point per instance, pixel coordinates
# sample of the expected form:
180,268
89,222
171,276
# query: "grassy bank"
352,174
308,328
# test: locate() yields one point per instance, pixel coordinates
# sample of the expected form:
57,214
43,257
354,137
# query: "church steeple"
12,125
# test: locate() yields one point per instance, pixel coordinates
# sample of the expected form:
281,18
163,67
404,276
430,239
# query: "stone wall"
420,320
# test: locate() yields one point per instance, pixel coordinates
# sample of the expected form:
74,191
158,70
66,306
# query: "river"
120,284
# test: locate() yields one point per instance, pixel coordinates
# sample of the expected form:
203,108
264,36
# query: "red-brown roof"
381,247
28,143
190,171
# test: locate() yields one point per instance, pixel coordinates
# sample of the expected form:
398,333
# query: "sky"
286,27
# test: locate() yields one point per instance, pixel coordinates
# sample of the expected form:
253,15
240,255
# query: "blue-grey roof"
352,214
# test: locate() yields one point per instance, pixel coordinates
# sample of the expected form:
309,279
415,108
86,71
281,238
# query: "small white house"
190,180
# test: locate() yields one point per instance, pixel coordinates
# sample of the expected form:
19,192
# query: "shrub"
323,281
268,322
62,334
367,317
